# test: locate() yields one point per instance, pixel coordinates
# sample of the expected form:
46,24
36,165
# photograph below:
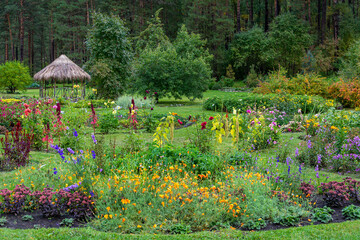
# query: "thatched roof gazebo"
61,70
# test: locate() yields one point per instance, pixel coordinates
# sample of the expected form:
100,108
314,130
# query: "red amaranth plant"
93,117
17,146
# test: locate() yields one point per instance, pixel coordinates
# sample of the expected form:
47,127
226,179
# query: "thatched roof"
62,69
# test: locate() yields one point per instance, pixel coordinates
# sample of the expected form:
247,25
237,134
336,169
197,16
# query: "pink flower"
248,111
145,98
180,122
54,107
26,105
211,118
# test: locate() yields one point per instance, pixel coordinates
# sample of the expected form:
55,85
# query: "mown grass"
345,230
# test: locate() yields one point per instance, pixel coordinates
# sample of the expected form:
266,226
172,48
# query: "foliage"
284,103
350,67
67,222
339,193
124,102
17,146
3,221
178,69
289,37
110,54
252,79
27,218
322,214
291,217
347,93
108,123
14,76
255,224
301,84
351,212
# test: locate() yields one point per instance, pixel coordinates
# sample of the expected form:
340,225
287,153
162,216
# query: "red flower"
145,98
180,122
211,118
203,125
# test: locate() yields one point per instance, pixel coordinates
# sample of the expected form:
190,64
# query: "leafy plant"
27,218
351,212
14,76
180,228
108,123
67,222
322,214
16,147
110,55
3,221
255,224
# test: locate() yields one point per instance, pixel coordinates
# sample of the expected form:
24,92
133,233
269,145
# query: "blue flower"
55,172
300,169
93,154
289,170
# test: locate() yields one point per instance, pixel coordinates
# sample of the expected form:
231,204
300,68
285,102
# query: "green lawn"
345,230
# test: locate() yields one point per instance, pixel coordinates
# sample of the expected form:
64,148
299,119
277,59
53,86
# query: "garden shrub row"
284,102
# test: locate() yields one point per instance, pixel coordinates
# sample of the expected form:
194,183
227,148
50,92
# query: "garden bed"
38,221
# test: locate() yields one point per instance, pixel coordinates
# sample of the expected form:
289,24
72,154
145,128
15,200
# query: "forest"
259,34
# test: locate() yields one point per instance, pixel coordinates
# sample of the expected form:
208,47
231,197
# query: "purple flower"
55,172
296,152
309,144
93,138
70,150
300,169
319,158
75,133
288,170
93,154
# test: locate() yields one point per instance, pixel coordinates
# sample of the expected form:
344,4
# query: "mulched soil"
16,222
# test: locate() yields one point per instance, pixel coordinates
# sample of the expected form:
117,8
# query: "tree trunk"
323,20
336,21
6,50
309,11
319,21
21,35
251,13
277,8
238,17
11,38
87,13
266,26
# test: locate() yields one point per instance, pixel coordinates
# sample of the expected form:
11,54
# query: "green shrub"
125,102
14,76
285,102
87,103
108,122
